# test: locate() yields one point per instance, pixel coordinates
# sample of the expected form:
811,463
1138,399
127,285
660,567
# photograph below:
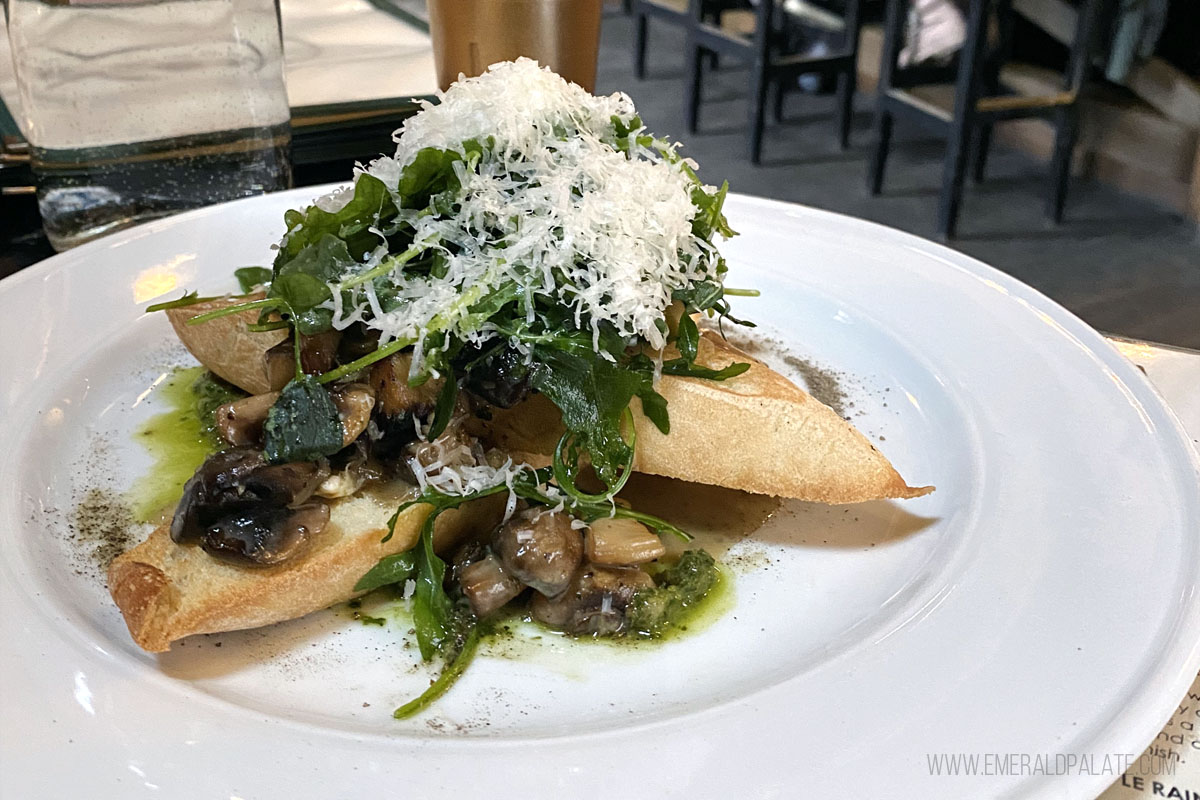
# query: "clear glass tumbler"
136,109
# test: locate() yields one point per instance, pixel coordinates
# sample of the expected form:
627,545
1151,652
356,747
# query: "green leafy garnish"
303,425
396,568
188,299
251,277
592,395
444,409
452,671
370,205
684,369
431,605
688,338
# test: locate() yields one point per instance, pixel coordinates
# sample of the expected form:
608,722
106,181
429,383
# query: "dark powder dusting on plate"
823,384
102,526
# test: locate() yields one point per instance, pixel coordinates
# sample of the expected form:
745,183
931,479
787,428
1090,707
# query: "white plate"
1041,603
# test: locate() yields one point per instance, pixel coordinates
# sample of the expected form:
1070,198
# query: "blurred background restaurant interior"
1125,257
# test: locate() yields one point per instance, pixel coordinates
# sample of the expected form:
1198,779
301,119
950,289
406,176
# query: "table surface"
335,52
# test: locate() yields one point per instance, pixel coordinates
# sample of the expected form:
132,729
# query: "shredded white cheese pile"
553,206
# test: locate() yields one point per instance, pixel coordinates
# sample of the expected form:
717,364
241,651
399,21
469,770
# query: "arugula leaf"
431,604
688,338
431,172
700,296
302,283
395,568
370,205
709,219
250,277
444,409
188,299
301,292
592,394
677,366
654,406
303,425
452,671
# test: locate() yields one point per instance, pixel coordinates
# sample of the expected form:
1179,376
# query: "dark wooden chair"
979,102
674,12
768,65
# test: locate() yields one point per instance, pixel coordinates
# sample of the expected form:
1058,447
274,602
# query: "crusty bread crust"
758,432
227,347
168,591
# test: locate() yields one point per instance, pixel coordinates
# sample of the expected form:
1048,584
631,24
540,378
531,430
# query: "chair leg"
883,140
777,106
983,143
639,47
692,105
966,94
893,40
1066,126
953,173
760,75
758,102
846,81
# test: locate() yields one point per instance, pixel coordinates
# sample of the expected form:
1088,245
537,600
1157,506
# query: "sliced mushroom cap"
622,542
241,422
354,404
389,379
318,352
487,586
287,484
265,535
594,602
214,489
237,480
540,549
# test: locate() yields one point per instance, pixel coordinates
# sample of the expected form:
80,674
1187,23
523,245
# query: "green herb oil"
178,439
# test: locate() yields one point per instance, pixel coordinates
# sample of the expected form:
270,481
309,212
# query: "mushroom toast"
465,354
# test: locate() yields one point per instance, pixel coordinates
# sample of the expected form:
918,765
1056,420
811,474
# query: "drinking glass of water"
136,109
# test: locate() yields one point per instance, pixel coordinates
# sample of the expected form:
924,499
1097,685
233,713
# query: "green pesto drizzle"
178,439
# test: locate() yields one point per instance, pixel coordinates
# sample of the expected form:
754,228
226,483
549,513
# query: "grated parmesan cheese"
552,204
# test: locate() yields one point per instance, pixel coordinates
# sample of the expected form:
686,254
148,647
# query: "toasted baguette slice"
226,346
168,591
758,432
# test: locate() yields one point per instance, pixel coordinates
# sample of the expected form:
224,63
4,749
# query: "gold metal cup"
470,35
